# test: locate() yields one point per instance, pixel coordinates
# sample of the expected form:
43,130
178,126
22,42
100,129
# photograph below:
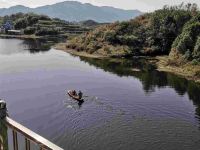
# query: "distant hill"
91,23
76,11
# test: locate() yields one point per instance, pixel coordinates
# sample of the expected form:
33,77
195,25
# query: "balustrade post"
15,140
27,144
3,127
3,109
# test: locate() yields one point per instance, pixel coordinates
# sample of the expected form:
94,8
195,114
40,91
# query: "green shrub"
189,41
46,31
45,22
29,30
188,55
43,17
197,74
196,52
21,23
128,40
32,19
110,36
195,62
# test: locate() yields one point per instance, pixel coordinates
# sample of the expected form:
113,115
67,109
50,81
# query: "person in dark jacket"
80,94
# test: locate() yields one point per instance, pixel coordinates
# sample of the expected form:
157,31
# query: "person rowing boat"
74,95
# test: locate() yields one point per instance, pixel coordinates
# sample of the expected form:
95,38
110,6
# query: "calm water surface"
123,109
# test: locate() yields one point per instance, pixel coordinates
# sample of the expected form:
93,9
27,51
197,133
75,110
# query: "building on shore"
15,32
8,28
2,30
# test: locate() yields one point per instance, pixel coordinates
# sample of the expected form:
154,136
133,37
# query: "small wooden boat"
75,97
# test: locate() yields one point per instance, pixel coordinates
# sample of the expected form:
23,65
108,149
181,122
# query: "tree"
21,24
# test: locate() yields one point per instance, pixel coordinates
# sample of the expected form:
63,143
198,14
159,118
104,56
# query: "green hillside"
42,25
171,30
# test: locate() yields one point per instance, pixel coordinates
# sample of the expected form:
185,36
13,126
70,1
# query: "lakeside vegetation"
173,31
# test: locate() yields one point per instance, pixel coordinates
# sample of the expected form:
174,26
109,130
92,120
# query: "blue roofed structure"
7,26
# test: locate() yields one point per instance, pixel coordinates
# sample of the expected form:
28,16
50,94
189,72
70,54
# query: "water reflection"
35,46
28,45
3,136
40,45
149,77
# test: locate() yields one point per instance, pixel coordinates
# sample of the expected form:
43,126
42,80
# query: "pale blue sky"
143,5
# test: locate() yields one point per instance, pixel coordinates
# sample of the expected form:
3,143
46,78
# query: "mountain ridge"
76,11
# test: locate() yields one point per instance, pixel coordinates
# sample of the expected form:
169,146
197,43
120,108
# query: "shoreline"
188,70
29,36
20,36
62,47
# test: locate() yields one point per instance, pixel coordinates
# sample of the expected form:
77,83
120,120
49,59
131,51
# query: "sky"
143,5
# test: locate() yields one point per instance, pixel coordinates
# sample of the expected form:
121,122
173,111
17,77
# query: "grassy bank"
188,70
62,46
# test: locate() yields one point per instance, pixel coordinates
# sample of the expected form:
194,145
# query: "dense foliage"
156,33
188,42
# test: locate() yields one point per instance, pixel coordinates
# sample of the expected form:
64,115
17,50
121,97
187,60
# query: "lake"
124,108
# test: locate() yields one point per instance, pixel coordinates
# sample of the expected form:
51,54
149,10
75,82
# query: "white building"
15,32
